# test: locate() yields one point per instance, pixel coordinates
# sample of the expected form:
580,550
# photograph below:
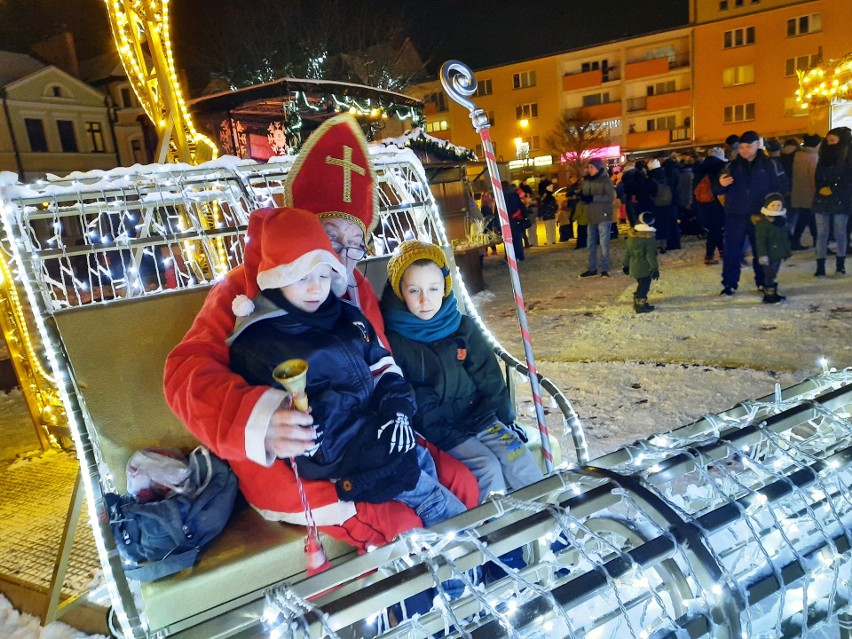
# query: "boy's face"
775,205
311,291
423,290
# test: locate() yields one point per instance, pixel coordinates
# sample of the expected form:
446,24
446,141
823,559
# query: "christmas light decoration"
826,83
141,31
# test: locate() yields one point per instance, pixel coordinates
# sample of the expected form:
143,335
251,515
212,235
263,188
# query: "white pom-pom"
242,306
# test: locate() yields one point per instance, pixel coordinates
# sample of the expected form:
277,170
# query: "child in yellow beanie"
463,404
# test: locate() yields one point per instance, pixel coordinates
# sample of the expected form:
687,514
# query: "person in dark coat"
665,212
672,172
833,182
710,210
772,244
548,207
463,401
597,194
745,182
361,405
518,222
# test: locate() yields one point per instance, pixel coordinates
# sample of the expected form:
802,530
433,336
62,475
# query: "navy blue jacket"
753,181
353,383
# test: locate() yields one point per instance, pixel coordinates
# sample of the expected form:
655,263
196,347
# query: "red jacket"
218,407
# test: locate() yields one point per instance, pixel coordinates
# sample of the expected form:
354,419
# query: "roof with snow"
14,66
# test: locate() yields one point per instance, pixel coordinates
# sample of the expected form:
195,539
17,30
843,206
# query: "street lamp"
522,148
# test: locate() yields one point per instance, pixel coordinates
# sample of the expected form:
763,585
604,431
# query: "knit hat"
647,218
791,142
332,175
716,152
653,163
409,252
732,139
773,144
769,199
283,245
597,163
749,137
811,140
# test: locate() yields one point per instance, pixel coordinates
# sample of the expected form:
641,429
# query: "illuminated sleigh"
738,525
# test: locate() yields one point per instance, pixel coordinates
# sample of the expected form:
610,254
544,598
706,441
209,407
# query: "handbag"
159,538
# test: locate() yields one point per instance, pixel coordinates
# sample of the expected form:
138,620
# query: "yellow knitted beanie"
409,252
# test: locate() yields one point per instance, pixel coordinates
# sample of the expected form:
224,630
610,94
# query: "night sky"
479,33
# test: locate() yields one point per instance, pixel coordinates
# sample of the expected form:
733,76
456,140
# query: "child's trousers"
770,272
498,460
431,501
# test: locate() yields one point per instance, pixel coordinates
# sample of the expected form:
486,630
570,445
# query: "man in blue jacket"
745,182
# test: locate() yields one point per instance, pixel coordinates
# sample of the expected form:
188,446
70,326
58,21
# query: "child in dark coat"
360,404
772,244
463,403
640,260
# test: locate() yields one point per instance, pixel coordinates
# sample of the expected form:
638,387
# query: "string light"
825,83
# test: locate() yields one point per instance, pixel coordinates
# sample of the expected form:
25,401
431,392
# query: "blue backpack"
160,538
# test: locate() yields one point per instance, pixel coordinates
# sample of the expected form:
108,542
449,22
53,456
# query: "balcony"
605,111
654,66
672,100
637,104
582,80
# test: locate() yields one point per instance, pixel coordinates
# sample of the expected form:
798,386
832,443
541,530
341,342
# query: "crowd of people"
751,200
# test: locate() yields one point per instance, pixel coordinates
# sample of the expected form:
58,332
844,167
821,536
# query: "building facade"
731,69
746,56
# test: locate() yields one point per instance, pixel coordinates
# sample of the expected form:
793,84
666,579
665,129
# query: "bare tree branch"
575,137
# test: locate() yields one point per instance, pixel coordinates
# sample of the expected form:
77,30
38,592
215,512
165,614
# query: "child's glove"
625,270
519,432
763,260
826,191
655,274
397,434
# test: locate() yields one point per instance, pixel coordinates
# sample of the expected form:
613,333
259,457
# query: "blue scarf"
398,319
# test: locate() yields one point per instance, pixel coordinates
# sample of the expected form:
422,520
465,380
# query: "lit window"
734,76
96,136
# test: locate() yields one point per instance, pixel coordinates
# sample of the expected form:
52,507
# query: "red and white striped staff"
459,83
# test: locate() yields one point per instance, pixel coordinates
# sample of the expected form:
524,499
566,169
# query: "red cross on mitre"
332,175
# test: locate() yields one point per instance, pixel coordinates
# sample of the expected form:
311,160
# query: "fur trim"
644,228
770,213
285,274
242,306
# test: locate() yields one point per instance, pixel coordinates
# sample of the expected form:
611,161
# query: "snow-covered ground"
628,375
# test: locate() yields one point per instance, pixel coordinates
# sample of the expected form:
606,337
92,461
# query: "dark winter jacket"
547,207
834,173
515,207
772,239
457,381
641,253
598,194
353,384
753,181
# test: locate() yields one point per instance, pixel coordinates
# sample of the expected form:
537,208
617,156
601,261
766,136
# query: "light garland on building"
826,83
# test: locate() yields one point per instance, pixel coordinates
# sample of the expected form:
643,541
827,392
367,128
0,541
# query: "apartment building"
746,54
731,69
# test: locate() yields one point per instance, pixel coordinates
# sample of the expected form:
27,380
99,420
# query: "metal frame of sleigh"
115,266
737,525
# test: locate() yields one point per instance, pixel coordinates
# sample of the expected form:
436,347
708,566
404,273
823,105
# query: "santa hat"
332,175
407,254
282,247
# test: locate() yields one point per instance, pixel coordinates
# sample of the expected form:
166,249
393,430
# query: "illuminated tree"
576,137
